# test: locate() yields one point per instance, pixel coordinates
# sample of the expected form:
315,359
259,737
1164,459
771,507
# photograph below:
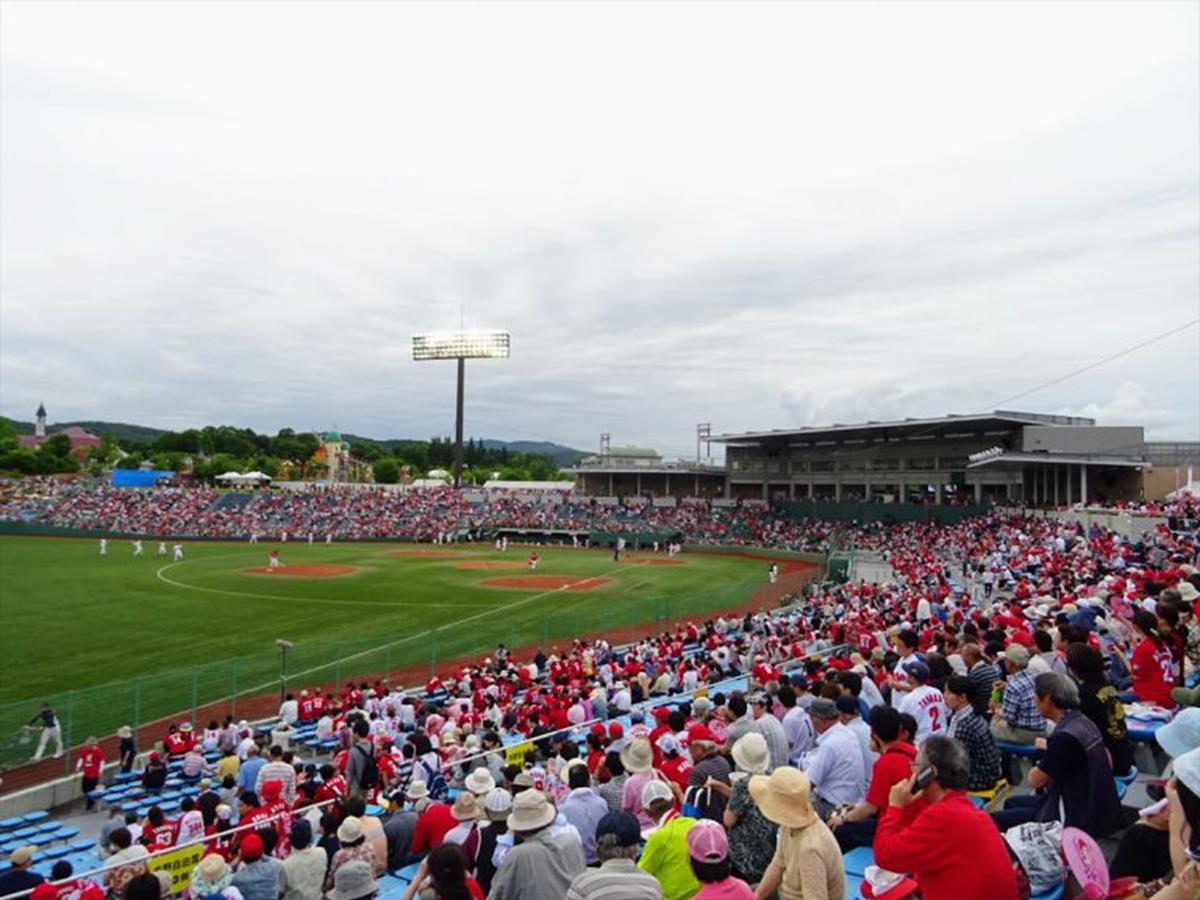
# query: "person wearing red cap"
259,877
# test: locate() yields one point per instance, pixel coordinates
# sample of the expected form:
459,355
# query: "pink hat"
707,842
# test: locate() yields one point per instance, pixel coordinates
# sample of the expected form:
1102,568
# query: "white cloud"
754,214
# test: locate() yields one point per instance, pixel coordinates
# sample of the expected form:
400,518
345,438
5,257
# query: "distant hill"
560,454
563,456
120,430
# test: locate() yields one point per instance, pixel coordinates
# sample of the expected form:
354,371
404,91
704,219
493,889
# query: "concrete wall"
1118,440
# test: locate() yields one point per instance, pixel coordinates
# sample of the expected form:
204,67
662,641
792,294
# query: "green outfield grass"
176,634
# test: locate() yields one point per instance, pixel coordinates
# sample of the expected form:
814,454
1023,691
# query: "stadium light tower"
461,346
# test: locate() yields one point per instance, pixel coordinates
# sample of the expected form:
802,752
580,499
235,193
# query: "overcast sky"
755,215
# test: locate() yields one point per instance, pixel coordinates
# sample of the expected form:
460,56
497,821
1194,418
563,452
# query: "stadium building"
998,457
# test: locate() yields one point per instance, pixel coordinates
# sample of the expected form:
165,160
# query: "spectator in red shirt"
434,819
159,832
91,762
939,836
1153,663
855,827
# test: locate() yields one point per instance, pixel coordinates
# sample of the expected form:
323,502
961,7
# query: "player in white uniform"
329,539
178,548
924,703
772,573
104,546
162,548
137,548
254,537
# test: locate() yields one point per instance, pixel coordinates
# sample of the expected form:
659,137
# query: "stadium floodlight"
461,346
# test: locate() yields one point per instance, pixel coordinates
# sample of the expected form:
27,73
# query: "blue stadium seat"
44,839
1016,749
48,825
35,816
408,873
854,885
57,852
124,777
24,833
856,861
1055,894
9,824
82,846
66,832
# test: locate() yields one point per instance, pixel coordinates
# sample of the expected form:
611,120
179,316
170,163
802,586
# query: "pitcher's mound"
484,564
301,571
574,583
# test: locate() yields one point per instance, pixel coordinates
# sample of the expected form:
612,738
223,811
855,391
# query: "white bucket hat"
751,754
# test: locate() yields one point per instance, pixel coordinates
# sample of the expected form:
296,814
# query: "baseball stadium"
518,627
324,584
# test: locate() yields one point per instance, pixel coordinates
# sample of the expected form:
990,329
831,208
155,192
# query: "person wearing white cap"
479,782
665,855
545,862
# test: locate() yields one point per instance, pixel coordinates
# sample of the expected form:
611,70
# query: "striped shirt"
616,879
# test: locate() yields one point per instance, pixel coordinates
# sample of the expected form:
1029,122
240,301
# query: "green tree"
387,470
57,445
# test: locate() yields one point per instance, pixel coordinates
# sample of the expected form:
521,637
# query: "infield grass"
133,639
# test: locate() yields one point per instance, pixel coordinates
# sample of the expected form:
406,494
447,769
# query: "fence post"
67,738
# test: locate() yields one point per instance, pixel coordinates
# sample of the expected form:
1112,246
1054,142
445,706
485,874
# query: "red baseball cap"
701,733
252,847
662,713
615,730
598,729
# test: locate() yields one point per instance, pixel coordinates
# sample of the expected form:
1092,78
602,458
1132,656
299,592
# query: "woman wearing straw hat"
806,852
213,880
751,834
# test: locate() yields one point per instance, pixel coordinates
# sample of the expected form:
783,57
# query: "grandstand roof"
905,428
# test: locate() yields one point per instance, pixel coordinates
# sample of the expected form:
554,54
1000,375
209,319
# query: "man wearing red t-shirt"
91,762
939,836
856,826
434,819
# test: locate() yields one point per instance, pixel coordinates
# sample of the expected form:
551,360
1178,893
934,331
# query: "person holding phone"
933,830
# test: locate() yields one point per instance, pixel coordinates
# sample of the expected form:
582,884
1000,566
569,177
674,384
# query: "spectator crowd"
888,715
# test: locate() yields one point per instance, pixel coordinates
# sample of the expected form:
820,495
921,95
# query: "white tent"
1191,489
241,479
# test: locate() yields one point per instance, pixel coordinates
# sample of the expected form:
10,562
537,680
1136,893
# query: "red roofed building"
81,441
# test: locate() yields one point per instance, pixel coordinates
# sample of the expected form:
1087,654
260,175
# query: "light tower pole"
460,346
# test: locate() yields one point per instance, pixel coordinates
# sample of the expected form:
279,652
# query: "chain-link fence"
250,686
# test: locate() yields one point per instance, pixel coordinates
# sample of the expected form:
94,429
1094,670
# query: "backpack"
370,773
435,781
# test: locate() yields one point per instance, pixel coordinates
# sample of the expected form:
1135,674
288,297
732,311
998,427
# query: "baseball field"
121,639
